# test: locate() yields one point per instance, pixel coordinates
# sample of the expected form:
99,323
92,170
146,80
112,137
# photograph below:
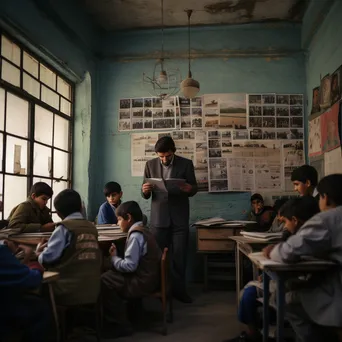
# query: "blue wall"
250,58
324,49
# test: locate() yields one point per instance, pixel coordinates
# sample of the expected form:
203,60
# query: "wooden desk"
216,240
280,273
245,246
49,278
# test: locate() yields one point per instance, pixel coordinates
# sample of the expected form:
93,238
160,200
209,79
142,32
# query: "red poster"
329,124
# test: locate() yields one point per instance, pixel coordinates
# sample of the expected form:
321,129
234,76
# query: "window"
35,126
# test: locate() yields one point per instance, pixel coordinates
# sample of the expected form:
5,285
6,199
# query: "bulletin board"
237,142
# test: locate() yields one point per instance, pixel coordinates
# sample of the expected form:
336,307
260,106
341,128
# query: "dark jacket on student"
15,276
79,265
146,278
28,217
106,214
264,219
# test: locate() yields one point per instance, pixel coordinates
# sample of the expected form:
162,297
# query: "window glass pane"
15,192
42,160
10,73
56,218
61,138
60,164
43,125
17,115
10,50
30,64
64,88
57,188
2,108
47,76
31,85
65,106
50,97
16,156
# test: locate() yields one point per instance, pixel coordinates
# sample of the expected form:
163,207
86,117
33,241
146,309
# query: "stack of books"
262,236
218,221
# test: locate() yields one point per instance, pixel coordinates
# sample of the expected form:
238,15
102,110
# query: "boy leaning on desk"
294,213
318,307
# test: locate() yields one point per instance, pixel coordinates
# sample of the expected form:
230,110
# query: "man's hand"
28,252
41,246
48,227
112,250
147,188
186,188
267,251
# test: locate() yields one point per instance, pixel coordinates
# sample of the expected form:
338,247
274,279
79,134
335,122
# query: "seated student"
19,310
113,193
278,222
294,213
134,276
263,215
73,251
33,215
319,303
305,179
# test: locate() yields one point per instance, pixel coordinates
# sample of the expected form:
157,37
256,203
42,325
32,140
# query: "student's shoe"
244,338
183,297
116,331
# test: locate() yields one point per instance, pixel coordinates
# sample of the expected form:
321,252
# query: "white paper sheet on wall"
333,161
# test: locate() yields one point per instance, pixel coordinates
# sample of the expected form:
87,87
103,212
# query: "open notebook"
262,236
218,221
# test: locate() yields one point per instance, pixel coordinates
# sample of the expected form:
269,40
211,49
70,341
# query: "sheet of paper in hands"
158,184
174,183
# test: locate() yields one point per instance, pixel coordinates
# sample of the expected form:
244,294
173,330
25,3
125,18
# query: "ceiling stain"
233,6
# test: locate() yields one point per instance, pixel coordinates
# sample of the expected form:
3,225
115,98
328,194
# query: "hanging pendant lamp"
189,86
164,81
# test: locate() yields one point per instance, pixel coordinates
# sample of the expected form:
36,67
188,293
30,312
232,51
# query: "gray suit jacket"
171,208
320,237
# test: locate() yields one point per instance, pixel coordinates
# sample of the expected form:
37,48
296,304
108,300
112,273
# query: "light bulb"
162,79
190,88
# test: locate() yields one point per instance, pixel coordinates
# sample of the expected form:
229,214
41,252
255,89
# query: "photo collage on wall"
190,113
148,113
276,116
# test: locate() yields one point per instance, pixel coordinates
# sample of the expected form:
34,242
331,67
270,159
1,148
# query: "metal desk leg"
280,309
54,311
237,272
205,272
266,281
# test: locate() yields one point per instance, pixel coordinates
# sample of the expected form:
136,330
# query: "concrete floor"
211,318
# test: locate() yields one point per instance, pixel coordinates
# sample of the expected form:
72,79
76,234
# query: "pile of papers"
262,236
218,221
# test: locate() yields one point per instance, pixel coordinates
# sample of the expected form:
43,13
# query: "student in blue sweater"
113,193
21,311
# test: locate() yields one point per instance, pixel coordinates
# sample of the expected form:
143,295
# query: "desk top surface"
49,277
304,266
242,239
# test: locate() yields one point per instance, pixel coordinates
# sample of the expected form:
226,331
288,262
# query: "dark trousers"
114,307
29,313
175,238
305,329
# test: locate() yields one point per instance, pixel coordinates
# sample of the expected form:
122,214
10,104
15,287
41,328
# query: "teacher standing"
170,210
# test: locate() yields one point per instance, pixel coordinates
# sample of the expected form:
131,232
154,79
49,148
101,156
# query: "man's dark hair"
165,144
331,186
302,208
111,188
257,197
68,202
41,188
305,173
132,208
279,203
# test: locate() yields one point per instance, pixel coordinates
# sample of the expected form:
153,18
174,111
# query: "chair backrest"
164,273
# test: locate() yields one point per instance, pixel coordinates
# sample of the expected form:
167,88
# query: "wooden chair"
165,294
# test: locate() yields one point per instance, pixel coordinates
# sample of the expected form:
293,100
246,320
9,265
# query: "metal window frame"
33,102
